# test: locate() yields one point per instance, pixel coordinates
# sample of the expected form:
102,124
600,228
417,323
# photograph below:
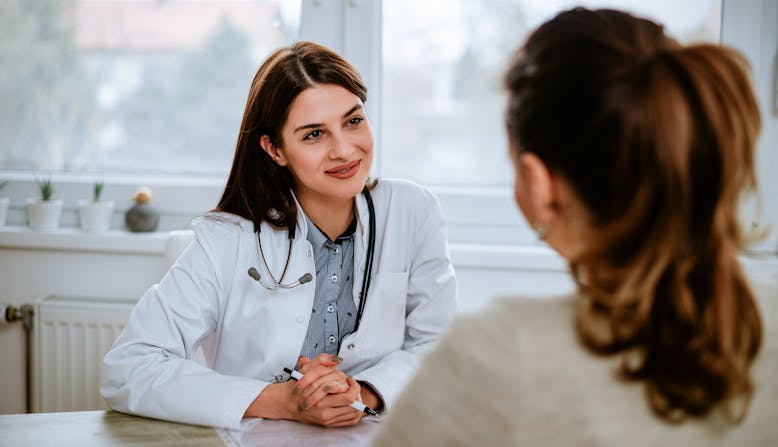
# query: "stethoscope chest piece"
273,283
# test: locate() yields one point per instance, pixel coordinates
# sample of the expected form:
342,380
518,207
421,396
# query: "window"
443,62
133,86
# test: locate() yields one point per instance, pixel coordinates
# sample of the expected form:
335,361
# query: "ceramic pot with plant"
5,201
142,217
95,214
44,212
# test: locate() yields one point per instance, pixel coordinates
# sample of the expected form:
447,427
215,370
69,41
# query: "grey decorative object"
142,217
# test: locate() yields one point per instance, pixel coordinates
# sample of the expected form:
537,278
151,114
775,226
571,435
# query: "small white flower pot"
44,214
95,216
4,203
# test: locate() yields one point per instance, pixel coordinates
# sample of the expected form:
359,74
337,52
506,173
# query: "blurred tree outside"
47,101
189,104
107,106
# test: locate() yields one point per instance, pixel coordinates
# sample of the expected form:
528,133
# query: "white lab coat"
249,334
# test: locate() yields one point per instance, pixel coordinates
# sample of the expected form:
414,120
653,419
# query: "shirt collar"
317,238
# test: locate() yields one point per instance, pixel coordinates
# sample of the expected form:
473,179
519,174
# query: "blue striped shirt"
333,315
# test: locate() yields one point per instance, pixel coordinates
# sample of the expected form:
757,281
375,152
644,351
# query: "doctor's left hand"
281,401
321,379
334,409
313,390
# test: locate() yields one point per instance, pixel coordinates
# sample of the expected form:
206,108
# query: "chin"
356,189
347,191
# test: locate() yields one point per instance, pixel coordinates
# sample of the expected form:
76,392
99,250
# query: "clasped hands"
324,394
322,397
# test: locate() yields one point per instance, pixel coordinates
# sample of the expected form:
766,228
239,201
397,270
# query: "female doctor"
304,264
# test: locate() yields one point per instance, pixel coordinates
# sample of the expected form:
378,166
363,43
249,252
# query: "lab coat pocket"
384,314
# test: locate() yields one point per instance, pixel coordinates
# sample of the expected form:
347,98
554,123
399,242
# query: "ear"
541,185
275,153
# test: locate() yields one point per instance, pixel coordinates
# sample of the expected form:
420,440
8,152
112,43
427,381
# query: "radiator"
71,337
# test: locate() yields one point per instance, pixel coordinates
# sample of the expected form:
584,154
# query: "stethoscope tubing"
278,284
369,261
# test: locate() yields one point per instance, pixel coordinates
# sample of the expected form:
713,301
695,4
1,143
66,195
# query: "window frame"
488,215
476,217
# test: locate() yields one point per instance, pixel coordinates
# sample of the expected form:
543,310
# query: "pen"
297,375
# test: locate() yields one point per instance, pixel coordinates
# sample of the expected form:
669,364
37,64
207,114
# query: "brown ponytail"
657,140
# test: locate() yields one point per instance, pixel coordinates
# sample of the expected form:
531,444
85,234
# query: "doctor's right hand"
323,389
334,409
321,377
322,397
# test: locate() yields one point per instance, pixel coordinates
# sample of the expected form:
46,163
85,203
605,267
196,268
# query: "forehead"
320,104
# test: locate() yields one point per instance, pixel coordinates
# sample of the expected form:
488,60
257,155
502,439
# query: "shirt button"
336,250
350,346
331,339
330,308
334,278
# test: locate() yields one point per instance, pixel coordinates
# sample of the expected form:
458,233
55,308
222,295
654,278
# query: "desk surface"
109,428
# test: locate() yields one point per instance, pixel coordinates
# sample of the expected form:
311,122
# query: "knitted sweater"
516,375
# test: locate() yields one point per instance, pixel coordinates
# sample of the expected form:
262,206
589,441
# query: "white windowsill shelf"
73,239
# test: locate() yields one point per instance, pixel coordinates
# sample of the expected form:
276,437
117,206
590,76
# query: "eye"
355,121
313,135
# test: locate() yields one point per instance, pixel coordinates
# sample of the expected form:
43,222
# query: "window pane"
442,66
131,86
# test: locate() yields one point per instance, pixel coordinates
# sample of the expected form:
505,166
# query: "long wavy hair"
258,189
657,141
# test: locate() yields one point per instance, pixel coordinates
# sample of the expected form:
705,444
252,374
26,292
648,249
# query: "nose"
341,147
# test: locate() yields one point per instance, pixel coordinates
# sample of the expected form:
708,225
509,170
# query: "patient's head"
631,153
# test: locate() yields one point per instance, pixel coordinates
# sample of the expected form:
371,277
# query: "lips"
344,171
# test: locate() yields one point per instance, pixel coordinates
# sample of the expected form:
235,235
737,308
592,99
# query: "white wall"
751,26
33,266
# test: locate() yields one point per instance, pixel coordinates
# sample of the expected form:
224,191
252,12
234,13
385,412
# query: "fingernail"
300,407
296,390
326,388
337,359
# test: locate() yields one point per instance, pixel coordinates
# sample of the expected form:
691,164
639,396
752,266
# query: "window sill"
506,257
73,239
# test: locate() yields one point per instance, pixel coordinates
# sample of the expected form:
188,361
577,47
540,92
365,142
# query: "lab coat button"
279,378
350,346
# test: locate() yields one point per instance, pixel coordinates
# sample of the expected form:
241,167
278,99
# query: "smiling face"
327,144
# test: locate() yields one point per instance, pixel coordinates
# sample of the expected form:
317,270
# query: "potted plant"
44,213
95,214
4,202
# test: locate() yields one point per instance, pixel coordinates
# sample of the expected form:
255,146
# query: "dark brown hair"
657,141
258,189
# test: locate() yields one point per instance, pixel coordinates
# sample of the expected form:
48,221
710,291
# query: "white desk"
112,429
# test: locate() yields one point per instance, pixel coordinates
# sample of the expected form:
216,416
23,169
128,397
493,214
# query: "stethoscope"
275,284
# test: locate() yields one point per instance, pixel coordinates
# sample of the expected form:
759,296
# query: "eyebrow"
315,125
